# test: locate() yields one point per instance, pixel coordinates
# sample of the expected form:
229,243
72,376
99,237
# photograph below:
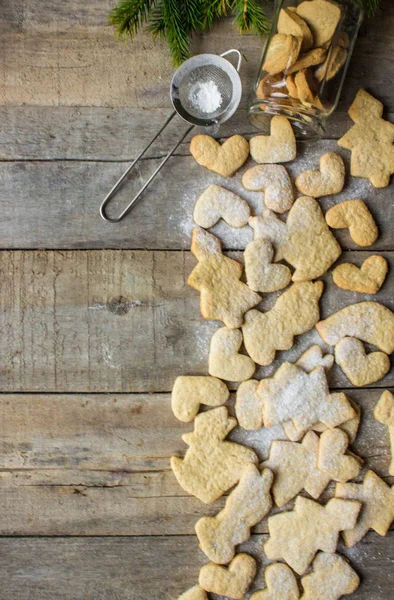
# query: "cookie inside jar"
304,64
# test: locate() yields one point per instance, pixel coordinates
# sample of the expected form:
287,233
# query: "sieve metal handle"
237,52
114,189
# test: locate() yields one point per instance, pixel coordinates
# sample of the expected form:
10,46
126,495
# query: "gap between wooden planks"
158,568
99,464
123,321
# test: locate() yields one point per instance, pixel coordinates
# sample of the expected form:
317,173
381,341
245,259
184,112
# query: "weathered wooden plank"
65,56
55,204
103,466
158,568
117,440
119,321
110,134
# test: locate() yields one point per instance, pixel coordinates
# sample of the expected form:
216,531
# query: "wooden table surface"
97,319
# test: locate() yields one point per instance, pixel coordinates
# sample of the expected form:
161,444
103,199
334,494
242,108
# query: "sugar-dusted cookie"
370,141
278,147
355,216
332,457
191,391
331,578
359,367
283,52
368,279
211,465
370,322
218,203
384,413
333,64
225,158
247,504
330,179
304,241
313,357
377,500
350,427
275,182
295,312
310,527
232,581
225,361
248,405
290,23
295,468
261,274
195,593
302,398
310,59
216,276
281,584
322,18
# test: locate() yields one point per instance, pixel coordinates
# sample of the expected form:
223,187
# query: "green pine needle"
370,6
250,17
177,20
130,15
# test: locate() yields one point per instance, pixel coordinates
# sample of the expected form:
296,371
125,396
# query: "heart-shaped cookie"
355,216
233,581
281,584
360,368
322,18
332,459
368,279
224,159
218,203
275,182
329,180
224,360
195,593
278,147
261,274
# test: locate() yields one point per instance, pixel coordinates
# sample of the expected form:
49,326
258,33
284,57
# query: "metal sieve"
196,70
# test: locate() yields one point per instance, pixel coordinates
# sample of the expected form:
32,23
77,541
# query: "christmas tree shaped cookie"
302,398
370,141
211,465
304,241
377,511
297,535
216,276
295,468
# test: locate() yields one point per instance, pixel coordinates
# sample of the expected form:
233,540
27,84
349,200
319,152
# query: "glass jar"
304,64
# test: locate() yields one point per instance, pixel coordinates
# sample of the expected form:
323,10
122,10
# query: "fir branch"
130,15
370,6
214,9
250,17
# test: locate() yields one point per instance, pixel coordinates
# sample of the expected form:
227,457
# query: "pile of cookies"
307,49
320,425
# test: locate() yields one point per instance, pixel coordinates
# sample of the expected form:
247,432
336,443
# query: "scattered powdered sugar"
205,96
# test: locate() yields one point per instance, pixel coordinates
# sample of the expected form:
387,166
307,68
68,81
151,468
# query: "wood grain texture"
158,568
55,204
121,321
102,468
60,55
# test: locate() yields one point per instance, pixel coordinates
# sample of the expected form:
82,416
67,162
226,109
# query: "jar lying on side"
304,64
